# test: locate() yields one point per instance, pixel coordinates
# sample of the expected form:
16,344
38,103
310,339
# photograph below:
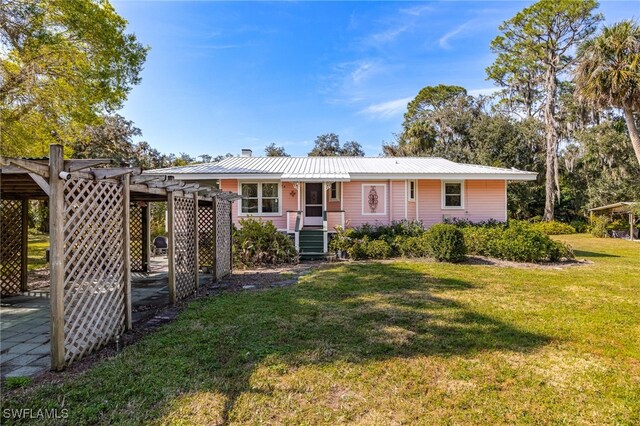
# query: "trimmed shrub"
357,249
518,242
259,242
599,226
412,246
446,243
377,249
409,228
554,228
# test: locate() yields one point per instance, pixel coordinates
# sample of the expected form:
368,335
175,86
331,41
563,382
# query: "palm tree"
608,73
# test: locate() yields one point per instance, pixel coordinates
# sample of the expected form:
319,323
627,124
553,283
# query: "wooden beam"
56,245
147,190
31,166
147,178
24,252
76,164
146,233
126,250
215,242
171,249
114,172
196,242
42,182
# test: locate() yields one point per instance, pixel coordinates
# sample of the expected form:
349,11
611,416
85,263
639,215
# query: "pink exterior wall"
398,200
352,202
288,203
483,200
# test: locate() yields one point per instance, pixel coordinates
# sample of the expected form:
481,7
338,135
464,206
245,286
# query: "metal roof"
341,169
622,204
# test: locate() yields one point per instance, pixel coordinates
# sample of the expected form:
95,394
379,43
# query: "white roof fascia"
210,176
445,176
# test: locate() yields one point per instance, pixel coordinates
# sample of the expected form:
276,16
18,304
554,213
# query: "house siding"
483,200
353,194
288,202
398,200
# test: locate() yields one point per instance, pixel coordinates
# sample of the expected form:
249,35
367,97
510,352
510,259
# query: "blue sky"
225,76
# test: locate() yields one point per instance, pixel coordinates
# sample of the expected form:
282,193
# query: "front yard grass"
387,343
37,247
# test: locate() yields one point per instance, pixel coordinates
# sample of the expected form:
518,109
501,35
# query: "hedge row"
516,240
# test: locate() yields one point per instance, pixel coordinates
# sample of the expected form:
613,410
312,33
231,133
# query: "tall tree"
63,64
352,149
437,122
608,73
544,33
275,151
113,138
328,145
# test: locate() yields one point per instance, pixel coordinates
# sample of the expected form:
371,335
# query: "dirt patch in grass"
490,261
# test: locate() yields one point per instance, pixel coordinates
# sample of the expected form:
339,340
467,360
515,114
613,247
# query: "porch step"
312,243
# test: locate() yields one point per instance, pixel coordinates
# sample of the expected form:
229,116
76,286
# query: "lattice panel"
94,305
223,238
10,246
185,246
206,236
135,234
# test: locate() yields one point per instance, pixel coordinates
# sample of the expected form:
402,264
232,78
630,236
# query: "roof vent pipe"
246,152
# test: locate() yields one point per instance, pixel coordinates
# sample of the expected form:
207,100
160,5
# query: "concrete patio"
25,325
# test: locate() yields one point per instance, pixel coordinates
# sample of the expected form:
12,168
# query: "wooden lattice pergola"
99,233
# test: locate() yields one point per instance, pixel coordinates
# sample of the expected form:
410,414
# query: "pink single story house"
308,197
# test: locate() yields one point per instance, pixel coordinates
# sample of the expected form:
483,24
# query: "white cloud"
443,41
388,35
417,10
387,109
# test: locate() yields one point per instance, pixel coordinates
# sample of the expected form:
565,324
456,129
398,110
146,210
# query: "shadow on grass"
582,253
353,313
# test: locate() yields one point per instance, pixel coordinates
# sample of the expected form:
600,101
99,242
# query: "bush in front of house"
259,243
519,242
516,240
405,228
411,246
553,227
446,243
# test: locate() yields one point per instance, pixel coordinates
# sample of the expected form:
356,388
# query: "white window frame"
259,213
409,197
442,189
365,199
337,197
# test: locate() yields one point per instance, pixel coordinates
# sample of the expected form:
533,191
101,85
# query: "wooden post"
171,249
56,245
215,239
24,252
146,233
230,236
631,223
126,251
195,233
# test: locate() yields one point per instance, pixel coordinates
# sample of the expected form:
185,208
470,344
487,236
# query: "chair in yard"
160,245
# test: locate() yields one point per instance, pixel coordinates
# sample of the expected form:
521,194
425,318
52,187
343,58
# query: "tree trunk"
633,131
551,137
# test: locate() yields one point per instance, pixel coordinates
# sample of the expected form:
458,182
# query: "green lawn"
38,245
388,343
